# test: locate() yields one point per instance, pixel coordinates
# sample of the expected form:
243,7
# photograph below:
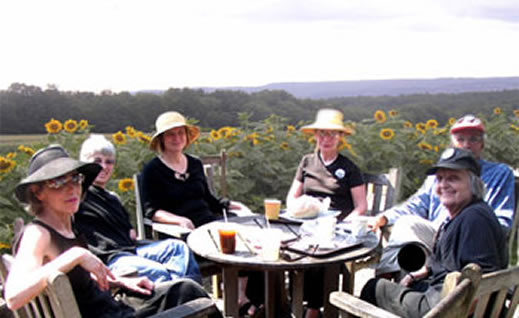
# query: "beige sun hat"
327,119
170,120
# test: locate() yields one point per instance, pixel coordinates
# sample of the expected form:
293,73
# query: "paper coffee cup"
359,226
270,244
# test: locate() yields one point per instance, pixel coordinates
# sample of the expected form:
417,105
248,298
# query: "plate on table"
285,215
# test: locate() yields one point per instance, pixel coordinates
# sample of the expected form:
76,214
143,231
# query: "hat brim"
193,131
463,128
310,129
57,168
452,166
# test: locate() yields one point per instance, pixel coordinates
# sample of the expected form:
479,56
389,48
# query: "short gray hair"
96,143
477,187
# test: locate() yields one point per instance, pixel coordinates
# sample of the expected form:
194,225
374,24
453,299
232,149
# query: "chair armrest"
171,230
199,307
350,304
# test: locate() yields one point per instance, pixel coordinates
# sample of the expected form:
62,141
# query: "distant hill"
324,90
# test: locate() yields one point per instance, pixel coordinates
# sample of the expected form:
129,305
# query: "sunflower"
428,162
431,124
125,184
4,246
497,111
6,164
291,128
311,140
142,137
131,132
83,124
53,126
392,113
28,150
380,116
387,133
343,144
425,146
252,137
11,155
284,145
70,126
119,138
421,126
215,135
408,124
516,113
225,132
452,121
269,129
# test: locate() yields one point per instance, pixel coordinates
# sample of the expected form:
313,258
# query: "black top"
186,195
472,236
335,180
92,302
105,223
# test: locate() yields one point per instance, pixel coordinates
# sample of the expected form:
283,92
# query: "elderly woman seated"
52,191
471,234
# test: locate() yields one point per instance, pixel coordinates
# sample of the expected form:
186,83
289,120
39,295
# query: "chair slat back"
380,193
513,230
493,291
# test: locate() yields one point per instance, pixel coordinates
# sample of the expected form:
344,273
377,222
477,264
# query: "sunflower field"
263,155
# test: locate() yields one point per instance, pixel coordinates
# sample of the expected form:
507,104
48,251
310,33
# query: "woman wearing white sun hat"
327,173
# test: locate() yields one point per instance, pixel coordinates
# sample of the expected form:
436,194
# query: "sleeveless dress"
92,301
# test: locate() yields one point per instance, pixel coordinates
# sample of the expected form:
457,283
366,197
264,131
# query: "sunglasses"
60,182
327,133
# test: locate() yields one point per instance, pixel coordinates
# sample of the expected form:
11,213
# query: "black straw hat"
52,162
456,159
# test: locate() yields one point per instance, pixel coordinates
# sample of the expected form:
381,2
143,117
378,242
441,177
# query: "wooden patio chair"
380,193
457,294
57,300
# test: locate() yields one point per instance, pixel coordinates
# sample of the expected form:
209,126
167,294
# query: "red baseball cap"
467,122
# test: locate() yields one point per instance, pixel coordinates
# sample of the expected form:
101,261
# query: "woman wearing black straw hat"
52,192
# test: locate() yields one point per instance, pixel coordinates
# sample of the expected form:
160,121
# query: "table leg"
331,283
297,278
270,291
230,291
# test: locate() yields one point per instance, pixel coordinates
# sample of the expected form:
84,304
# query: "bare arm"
360,205
296,190
28,275
162,216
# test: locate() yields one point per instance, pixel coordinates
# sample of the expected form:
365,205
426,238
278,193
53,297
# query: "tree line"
25,108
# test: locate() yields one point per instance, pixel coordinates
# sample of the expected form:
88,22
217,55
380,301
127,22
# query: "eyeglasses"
107,161
59,182
327,133
469,139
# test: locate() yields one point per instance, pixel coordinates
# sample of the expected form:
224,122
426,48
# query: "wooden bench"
57,300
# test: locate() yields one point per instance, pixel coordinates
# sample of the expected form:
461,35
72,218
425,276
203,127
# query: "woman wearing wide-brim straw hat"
174,187
327,173
52,191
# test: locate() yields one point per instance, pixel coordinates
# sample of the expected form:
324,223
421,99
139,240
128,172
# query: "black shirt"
335,180
105,223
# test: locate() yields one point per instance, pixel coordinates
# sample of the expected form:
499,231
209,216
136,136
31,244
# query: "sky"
130,45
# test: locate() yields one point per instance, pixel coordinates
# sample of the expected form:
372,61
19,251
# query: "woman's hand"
141,285
162,216
95,267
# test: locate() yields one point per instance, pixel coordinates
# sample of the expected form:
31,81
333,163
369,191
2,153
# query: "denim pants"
159,261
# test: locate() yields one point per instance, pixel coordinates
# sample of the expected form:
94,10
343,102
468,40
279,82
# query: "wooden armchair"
490,295
457,294
58,301
380,193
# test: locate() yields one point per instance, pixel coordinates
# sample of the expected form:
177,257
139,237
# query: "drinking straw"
267,222
212,239
225,214
258,223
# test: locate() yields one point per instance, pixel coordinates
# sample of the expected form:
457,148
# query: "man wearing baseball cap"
422,214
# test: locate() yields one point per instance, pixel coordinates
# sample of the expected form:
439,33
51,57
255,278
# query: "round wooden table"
204,241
